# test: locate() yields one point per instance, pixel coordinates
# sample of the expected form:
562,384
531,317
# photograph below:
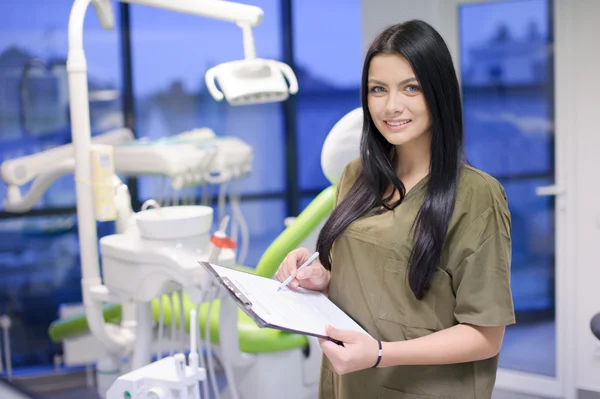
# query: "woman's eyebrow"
399,84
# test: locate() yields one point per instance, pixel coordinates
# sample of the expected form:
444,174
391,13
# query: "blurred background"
149,74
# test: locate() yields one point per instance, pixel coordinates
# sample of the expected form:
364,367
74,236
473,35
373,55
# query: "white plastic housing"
176,222
251,81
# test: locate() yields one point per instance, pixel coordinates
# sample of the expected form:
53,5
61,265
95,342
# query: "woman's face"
396,103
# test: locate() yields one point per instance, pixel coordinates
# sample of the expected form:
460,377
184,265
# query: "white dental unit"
156,251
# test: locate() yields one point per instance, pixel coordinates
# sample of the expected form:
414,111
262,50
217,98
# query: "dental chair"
267,359
263,351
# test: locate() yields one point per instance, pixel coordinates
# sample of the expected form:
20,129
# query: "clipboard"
301,312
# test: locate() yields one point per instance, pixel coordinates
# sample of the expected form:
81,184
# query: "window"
34,104
39,256
508,113
39,271
328,60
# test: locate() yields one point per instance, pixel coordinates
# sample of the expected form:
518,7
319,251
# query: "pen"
290,278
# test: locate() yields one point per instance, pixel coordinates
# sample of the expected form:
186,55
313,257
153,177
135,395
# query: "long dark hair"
428,55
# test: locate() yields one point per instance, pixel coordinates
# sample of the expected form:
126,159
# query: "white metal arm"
215,9
104,13
17,204
24,169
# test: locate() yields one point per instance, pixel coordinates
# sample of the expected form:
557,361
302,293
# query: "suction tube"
238,216
200,349
173,325
161,328
222,200
181,321
211,365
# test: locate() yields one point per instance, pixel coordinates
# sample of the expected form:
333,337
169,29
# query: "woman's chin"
400,138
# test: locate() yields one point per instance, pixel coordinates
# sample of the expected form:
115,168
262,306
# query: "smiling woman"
417,248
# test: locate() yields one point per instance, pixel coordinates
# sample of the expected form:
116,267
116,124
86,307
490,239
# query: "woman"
417,249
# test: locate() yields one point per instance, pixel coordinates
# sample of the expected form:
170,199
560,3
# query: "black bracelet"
379,355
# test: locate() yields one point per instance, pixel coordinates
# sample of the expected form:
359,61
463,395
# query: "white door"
504,59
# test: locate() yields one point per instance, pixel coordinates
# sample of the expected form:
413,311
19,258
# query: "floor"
527,347
88,394
498,394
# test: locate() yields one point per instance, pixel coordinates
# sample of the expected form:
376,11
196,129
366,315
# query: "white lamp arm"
105,14
17,204
22,170
249,48
215,9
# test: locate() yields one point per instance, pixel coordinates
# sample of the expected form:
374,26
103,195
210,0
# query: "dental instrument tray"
298,311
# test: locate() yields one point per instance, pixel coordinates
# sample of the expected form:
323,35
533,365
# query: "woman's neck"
413,158
412,164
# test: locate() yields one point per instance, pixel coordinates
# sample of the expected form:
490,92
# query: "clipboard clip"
236,292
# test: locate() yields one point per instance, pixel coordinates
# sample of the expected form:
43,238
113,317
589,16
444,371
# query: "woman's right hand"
313,277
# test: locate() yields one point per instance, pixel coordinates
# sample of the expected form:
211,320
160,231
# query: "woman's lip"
398,127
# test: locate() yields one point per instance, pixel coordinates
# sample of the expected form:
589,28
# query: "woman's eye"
377,89
413,88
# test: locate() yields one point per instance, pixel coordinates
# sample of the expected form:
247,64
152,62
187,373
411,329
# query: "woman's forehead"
390,67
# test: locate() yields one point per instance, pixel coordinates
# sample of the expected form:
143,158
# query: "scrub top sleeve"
481,277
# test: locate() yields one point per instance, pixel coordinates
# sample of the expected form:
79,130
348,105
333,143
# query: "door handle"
551,190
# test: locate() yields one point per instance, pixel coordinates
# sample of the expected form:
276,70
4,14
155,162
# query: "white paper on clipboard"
303,311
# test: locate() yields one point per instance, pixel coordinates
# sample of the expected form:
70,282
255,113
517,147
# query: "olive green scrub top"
471,285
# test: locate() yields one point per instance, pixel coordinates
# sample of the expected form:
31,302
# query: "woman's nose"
395,104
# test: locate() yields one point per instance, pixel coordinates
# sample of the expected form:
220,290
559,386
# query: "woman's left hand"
359,352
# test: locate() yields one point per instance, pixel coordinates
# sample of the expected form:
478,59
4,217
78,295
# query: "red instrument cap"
224,242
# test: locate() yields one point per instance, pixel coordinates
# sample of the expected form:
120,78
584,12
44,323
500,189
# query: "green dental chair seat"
252,338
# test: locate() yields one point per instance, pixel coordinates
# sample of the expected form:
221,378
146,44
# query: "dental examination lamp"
249,81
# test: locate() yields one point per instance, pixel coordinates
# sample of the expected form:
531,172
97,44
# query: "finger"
280,274
330,349
340,335
306,273
291,267
287,268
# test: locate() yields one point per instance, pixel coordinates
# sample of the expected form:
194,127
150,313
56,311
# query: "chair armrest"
595,326
295,233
